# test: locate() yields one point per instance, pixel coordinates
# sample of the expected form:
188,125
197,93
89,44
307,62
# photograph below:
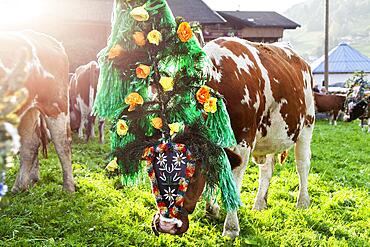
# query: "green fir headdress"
152,87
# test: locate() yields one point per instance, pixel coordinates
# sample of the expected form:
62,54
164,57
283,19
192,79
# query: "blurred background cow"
82,93
46,105
329,103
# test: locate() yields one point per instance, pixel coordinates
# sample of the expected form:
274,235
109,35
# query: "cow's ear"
234,158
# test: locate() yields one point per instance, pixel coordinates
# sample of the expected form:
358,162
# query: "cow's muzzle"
347,118
172,226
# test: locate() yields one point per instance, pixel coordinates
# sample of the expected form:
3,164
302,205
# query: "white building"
343,62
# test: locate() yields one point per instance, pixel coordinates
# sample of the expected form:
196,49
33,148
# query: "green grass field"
101,213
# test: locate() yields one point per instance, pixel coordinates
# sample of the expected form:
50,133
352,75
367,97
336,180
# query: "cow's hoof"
231,233
260,205
303,202
35,178
69,187
19,188
213,211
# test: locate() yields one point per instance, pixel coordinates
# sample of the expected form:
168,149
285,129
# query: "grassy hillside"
102,214
349,22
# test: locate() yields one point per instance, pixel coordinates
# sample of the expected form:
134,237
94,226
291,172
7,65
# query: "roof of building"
195,10
259,19
342,59
101,10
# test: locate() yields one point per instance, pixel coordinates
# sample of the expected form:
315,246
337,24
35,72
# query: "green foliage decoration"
165,54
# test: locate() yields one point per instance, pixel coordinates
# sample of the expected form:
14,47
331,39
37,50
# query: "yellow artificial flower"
211,105
140,13
122,128
166,83
157,123
154,37
174,128
116,51
112,166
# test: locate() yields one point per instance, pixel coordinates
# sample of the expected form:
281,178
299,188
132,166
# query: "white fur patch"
286,48
218,53
246,100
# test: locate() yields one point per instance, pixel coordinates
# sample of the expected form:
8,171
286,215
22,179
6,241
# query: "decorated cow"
357,104
195,114
82,93
46,106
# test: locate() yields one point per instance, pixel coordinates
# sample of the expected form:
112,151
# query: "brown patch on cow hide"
309,120
266,122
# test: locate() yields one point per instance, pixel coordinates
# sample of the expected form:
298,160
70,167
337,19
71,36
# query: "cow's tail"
44,136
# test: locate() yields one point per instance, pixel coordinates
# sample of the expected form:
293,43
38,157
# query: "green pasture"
102,213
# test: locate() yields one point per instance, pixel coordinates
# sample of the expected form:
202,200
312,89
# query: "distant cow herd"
264,103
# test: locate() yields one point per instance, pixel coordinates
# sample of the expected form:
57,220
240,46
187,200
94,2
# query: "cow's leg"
30,143
85,113
265,174
368,125
335,118
231,226
331,118
35,171
90,131
61,136
101,130
212,209
303,156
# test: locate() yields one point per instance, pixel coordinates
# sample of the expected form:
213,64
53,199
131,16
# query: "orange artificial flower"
203,94
157,123
142,71
184,32
139,38
211,105
115,51
134,99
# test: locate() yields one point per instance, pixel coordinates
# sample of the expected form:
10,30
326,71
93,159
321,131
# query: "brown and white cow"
268,90
330,103
46,106
82,92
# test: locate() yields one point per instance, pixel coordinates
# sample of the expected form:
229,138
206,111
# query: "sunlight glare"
18,11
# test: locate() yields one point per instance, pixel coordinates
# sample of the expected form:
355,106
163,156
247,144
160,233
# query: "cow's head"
177,187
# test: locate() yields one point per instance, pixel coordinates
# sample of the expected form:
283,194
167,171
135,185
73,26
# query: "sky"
250,5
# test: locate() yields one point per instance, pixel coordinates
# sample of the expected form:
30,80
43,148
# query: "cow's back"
327,102
268,91
48,80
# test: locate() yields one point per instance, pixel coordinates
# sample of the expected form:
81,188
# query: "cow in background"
82,92
46,106
358,105
329,103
